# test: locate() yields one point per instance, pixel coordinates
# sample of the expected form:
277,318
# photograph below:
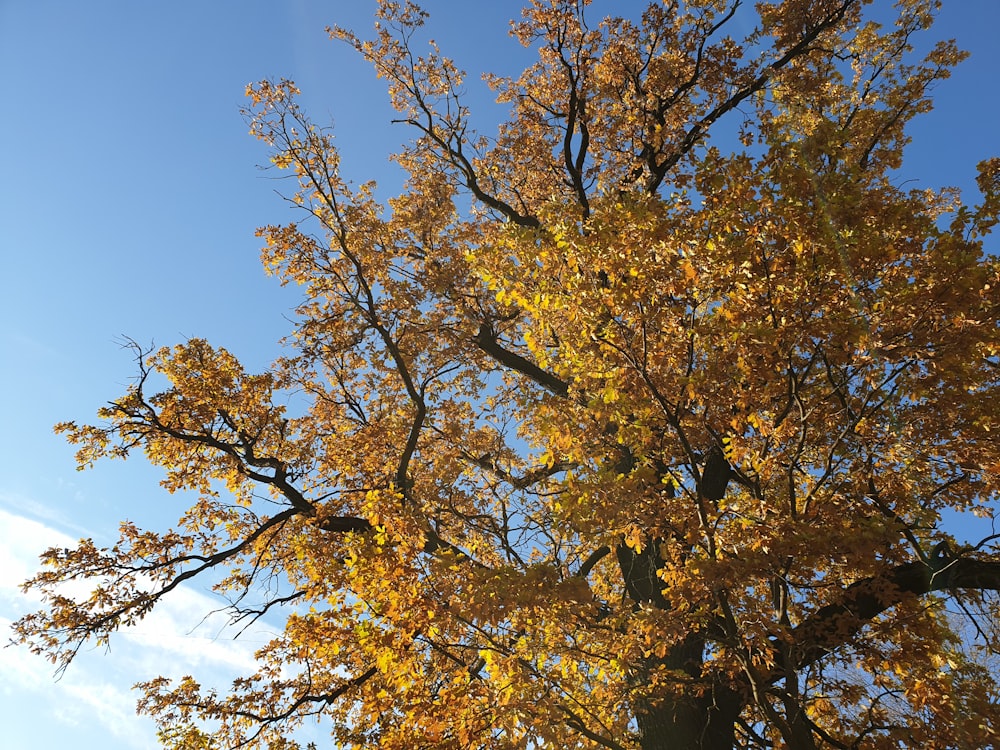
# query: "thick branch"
595,557
344,524
486,340
528,479
835,624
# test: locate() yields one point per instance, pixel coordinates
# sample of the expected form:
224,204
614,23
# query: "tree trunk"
696,722
704,722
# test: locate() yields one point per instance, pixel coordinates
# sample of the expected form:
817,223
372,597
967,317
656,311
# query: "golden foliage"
648,448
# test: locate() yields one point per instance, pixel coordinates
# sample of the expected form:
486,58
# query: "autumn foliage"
629,425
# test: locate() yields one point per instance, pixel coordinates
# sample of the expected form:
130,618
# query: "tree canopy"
629,425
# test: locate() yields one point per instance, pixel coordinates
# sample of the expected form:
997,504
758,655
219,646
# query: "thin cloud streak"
174,640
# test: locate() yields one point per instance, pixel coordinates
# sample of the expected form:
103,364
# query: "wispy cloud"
89,698
22,540
21,506
174,640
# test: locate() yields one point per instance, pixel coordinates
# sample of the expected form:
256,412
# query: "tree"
604,433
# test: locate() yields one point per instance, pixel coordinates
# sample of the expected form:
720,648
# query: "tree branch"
835,624
486,340
697,131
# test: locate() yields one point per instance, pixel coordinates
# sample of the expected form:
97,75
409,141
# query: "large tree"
629,426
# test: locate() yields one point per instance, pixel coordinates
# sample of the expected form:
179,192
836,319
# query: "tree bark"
835,624
706,719
706,722
703,720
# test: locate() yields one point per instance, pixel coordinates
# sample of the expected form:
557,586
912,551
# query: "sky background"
129,195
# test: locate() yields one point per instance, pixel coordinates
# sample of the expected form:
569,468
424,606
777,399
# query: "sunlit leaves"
652,439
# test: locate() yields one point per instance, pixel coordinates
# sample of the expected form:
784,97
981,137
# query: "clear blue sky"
129,195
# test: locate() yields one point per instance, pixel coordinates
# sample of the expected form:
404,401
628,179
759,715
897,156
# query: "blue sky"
129,195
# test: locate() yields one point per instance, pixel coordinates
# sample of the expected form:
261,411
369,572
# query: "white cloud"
27,506
175,639
87,698
178,631
22,540
21,670
113,708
